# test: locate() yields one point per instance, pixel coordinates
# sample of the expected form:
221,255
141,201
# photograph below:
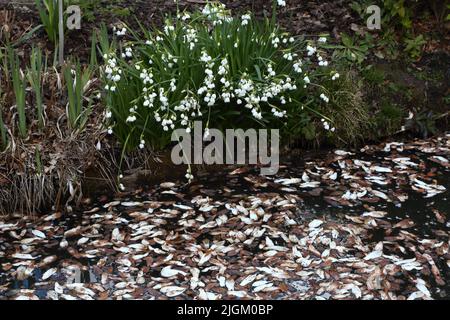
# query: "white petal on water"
23,256
315,223
248,280
169,272
172,291
47,274
38,234
287,182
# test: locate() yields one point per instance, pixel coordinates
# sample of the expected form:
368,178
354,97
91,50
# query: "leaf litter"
344,226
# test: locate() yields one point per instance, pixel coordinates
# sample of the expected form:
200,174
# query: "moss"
374,75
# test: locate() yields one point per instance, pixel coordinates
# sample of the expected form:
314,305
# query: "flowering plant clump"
227,71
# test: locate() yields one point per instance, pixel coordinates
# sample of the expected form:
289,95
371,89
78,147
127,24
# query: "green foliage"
373,75
77,82
19,86
34,75
423,123
3,137
414,46
352,49
387,120
399,10
76,79
48,12
227,72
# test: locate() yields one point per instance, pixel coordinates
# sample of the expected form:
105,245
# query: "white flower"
281,3
167,29
311,50
121,32
245,19
306,79
206,134
131,118
289,56
322,40
335,76
324,98
256,114
297,67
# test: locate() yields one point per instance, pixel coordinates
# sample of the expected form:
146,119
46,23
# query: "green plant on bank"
399,10
228,72
352,49
77,81
92,9
423,123
34,75
396,34
4,83
19,87
414,46
3,136
48,12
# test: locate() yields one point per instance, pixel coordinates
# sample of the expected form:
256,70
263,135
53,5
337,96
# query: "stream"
371,223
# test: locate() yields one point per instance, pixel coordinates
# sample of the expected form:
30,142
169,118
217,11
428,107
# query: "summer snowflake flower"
311,50
335,76
322,40
121,32
257,114
270,70
324,98
206,133
327,126
185,16
297,67
289,56
275,42
189,175
168,29
132,117
128,53
245,19
281,3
